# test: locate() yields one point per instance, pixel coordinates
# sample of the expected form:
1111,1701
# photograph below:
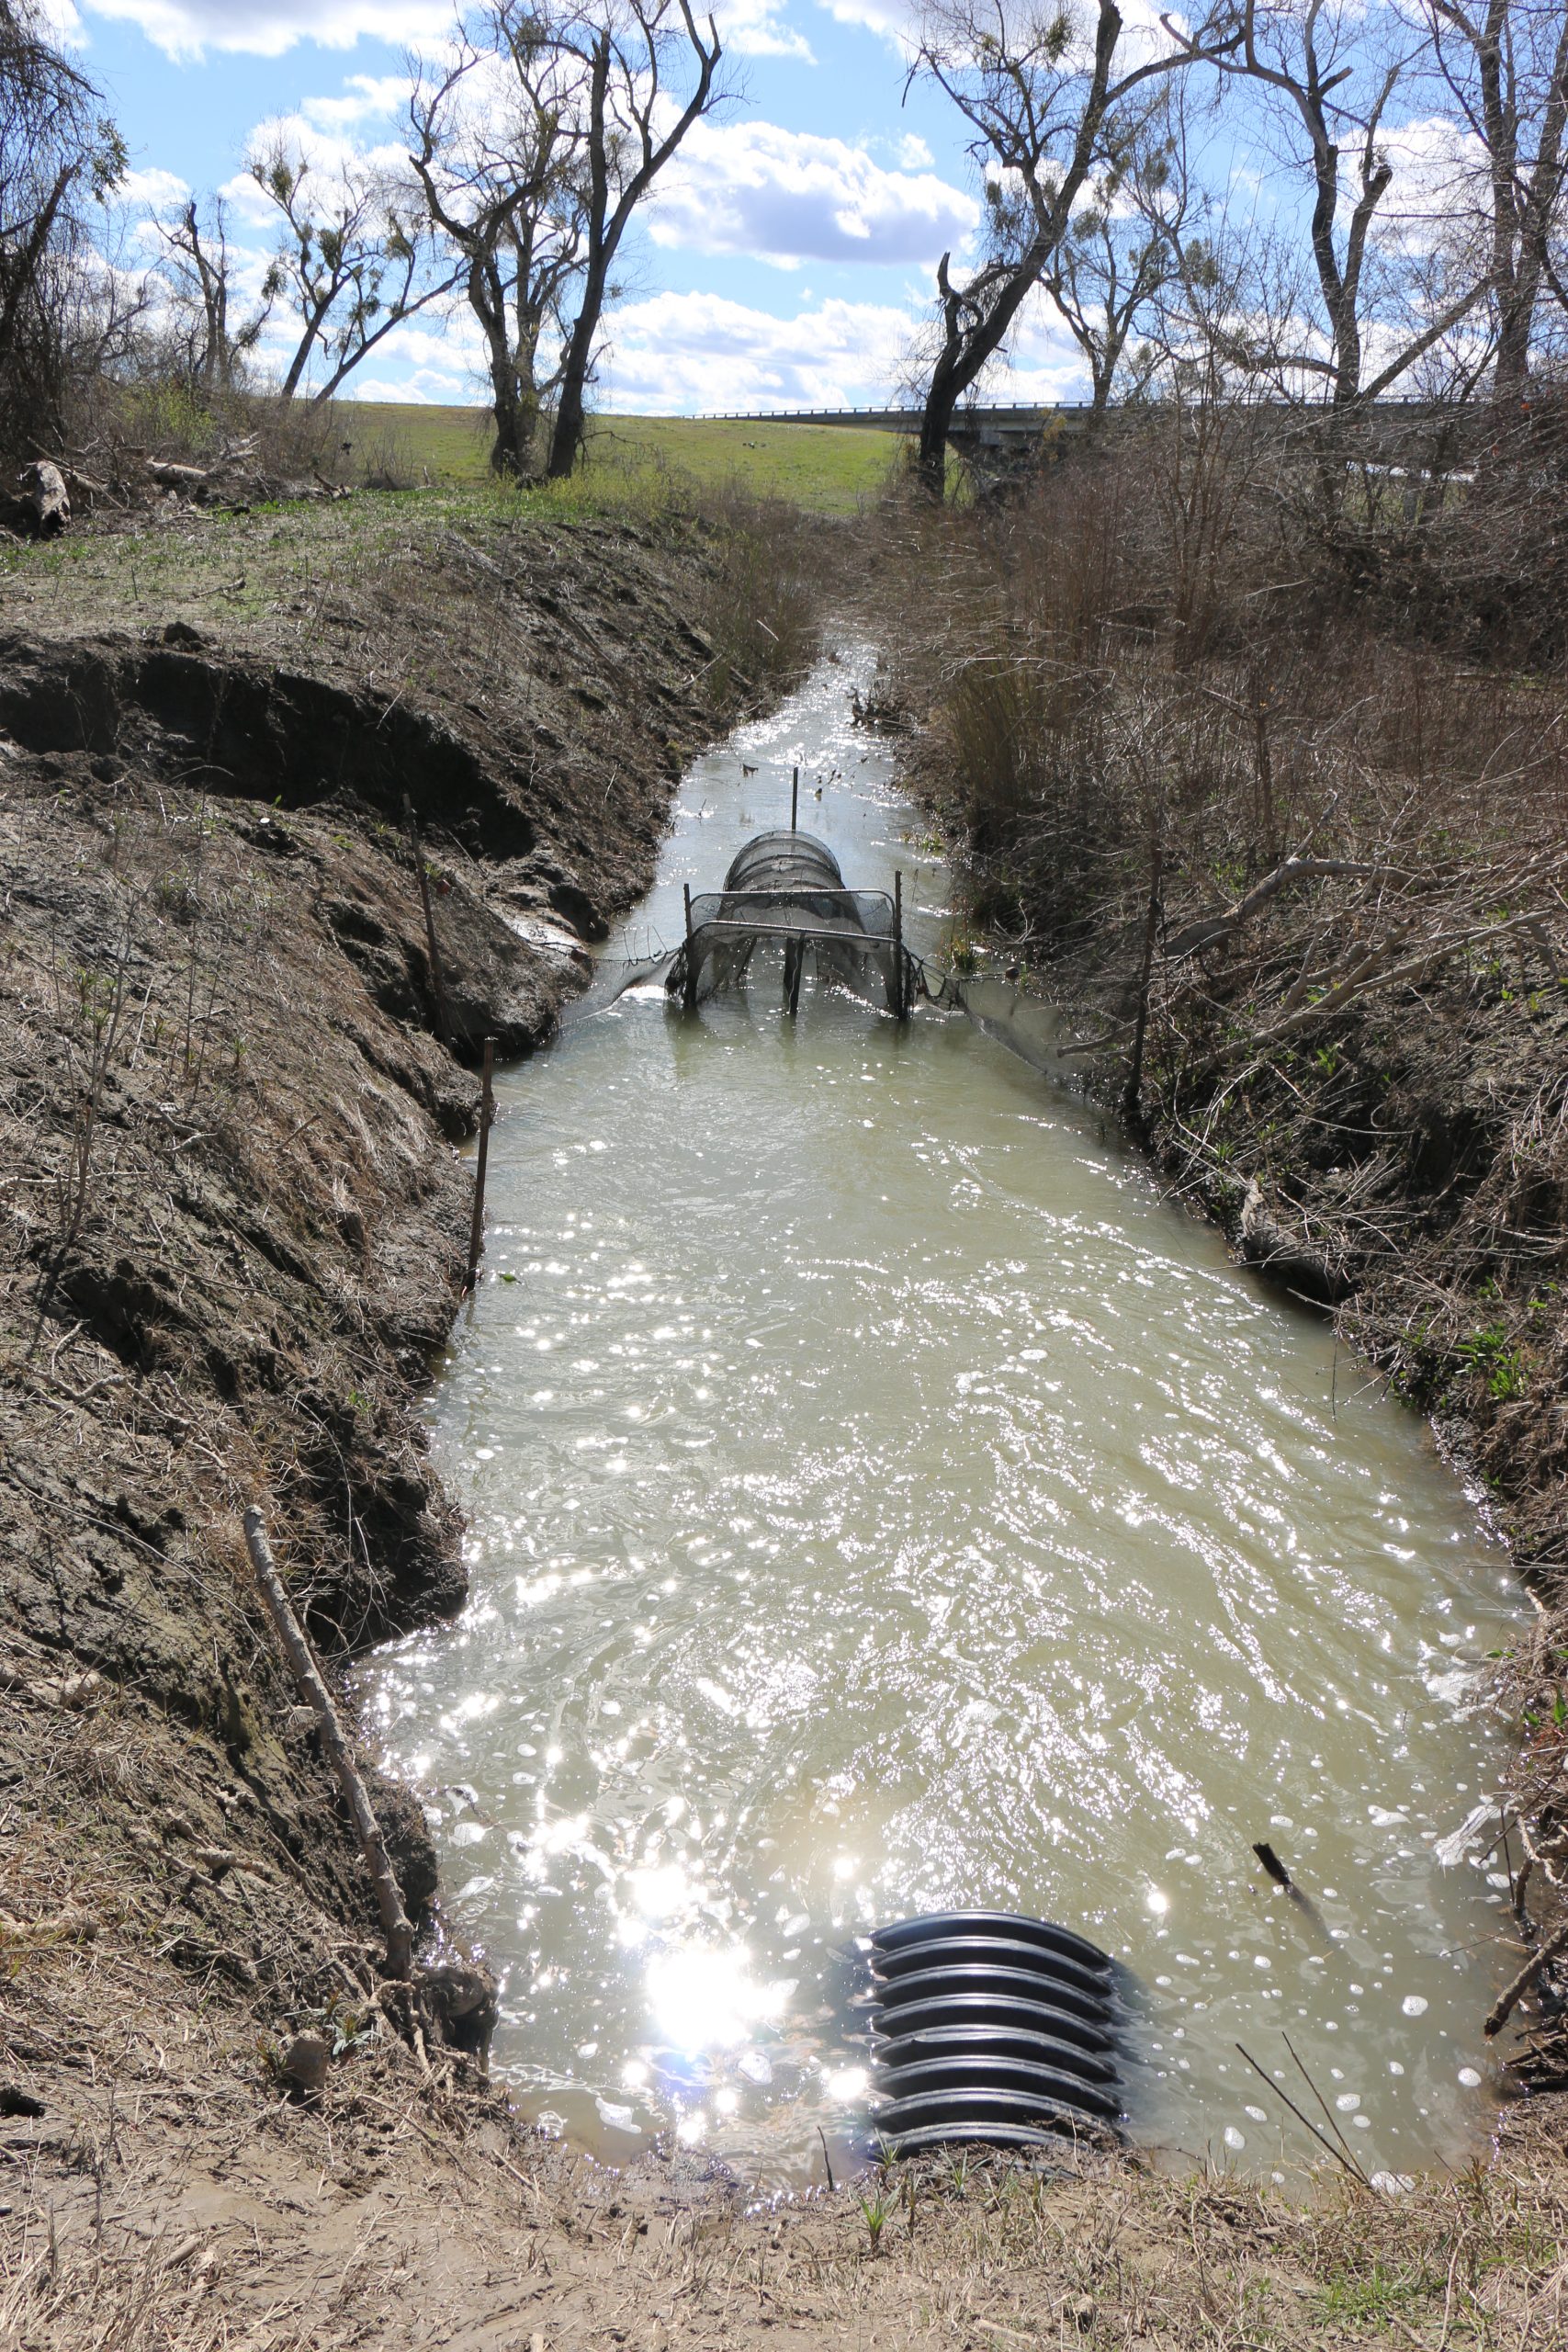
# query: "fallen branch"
1512,1994
171,475
1208,928
1120,1035
1360,981
395,1922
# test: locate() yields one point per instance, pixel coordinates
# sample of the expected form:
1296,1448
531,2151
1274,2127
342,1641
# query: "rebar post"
477,1230
691,996
899,1008
438,984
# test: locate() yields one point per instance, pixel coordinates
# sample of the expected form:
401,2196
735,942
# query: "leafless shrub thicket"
1161,647
1280,802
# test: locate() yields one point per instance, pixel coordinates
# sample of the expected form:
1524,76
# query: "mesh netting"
785,895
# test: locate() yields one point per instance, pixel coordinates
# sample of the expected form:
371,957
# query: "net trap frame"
785,890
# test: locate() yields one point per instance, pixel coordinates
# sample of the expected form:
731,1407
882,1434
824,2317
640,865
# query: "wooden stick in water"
1509,1999
1303,1902
487,1107
437,982
396,1924
1275,1867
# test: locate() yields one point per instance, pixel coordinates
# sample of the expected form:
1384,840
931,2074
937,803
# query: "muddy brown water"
881,1499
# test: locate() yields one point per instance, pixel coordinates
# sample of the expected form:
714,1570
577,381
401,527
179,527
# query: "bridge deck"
1001,422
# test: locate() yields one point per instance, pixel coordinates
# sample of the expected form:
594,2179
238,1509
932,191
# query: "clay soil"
233,1107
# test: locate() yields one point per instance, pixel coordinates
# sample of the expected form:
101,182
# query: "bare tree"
1038,84
1121,251
1505,65
630,52
198,269
357,259
1334,74
497,153
58,156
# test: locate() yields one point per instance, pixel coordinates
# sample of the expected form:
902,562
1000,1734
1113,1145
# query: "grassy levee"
341,581
828,469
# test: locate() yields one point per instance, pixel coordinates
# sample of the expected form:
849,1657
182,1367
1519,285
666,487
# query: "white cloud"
1440,179
366,98
896,21
152,190
333,161
789,196
414,392
186,28
268,28
1044,362
677,353
759,28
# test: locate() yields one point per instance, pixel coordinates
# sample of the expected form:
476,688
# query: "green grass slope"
827,467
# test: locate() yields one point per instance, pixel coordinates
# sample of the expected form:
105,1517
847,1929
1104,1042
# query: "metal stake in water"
899,1008
691,999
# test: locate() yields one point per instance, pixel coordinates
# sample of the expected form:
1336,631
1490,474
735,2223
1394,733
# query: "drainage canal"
884,1504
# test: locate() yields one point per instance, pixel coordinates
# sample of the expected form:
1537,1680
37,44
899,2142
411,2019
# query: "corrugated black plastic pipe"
989,2025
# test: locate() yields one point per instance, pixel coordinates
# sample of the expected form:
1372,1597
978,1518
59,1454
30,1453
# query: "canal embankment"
298,809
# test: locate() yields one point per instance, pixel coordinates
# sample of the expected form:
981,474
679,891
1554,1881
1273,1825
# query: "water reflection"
882,1500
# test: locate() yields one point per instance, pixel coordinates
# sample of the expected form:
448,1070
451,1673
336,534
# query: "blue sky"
790,256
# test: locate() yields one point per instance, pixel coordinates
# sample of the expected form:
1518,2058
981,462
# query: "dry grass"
501,2249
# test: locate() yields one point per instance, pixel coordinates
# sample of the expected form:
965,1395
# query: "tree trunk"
941,394
931,465
566,441
514,429
1510,374
509,451
312,319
